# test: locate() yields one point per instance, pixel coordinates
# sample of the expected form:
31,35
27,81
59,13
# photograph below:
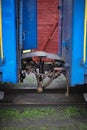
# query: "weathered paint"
29,24
73,40
67,34
9,68
47,12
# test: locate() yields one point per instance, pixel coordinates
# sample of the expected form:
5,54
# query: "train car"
55,26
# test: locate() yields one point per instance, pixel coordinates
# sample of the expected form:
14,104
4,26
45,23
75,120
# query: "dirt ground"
44,118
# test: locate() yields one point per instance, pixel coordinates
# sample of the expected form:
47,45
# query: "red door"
47,19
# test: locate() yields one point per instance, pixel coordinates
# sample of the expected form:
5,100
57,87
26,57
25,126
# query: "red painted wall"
47,12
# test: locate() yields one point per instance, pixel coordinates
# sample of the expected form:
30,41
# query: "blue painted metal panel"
30,24
67,33
73,39
77,68
21,24
9,69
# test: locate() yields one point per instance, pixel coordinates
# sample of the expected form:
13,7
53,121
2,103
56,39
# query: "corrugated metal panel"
30,24
47,12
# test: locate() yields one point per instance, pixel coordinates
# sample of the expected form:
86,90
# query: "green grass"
27,113
54,114
75,112
9,113
82,126
71,111
34,113
37,113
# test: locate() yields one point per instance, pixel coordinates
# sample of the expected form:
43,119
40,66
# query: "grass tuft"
9,113
27,113
71,111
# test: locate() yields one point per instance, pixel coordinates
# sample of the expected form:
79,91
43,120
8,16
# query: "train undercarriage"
36,63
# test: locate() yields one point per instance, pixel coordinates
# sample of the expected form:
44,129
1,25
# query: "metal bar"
1,44
60,27
21,24
85,32
20,31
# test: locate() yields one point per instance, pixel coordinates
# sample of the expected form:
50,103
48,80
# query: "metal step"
85,96
1,95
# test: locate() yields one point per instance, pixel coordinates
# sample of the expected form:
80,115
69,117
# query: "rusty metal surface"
47,11
33,54
42,54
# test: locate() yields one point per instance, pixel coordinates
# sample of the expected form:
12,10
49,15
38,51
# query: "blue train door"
8,63
73,39
29,24
19,32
